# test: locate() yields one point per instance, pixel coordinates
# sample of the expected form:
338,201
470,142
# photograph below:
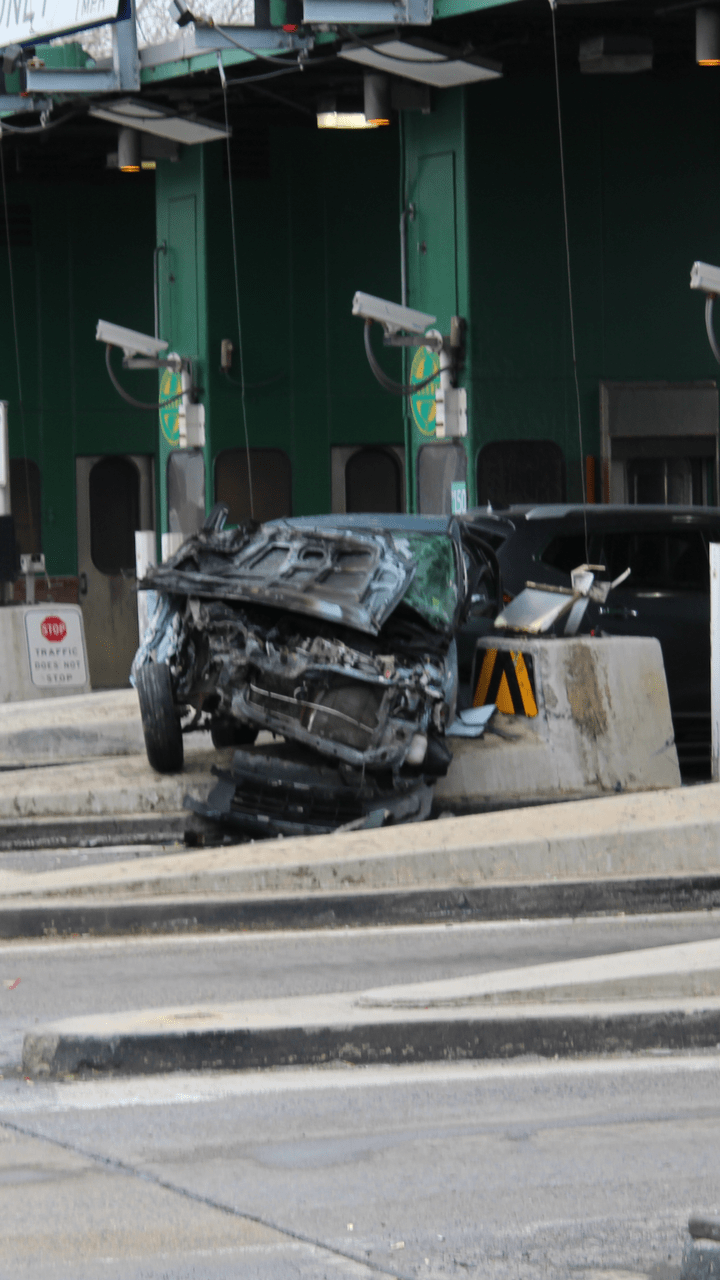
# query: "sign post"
715,657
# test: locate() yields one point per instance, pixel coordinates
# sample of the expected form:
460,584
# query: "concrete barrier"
576,718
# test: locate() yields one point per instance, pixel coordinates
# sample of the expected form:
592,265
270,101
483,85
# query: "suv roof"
609,510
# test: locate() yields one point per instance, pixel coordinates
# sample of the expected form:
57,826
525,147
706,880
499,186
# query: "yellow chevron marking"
504,701
524,685
484,678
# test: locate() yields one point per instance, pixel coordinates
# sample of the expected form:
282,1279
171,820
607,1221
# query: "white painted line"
19,1098
344,932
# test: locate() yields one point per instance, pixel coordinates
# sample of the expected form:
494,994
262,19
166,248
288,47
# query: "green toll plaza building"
244,255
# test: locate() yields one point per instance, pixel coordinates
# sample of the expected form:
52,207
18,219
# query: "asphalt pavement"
529,1171
412,1145
623,852
52,979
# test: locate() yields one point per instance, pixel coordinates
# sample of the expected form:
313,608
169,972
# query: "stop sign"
53,629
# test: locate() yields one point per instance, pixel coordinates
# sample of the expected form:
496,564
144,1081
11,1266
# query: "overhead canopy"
418,60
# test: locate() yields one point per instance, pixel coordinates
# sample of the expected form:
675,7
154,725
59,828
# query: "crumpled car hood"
355,579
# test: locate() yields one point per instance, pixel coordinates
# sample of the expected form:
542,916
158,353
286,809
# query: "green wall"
319,220
321,223
89,256
643,184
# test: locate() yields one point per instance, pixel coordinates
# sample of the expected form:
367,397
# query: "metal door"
114,499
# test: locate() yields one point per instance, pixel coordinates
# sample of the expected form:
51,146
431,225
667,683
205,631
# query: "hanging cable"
388,383
136,404
254,53
569,278
39,128
709,300
15,333
256,386
223,82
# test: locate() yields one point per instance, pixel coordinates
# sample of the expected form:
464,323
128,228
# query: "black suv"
666,595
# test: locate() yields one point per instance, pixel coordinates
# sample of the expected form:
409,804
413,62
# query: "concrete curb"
115,828
531,901
74,1049
76,727
661,834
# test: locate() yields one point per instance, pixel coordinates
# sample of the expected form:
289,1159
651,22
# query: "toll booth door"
114,499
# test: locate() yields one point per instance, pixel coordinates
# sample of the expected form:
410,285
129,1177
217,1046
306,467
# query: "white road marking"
18,1098
331,935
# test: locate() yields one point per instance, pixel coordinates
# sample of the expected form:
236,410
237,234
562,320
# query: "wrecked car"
342,642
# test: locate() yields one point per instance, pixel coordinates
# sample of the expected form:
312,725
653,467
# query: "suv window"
659,559
567,551
668,560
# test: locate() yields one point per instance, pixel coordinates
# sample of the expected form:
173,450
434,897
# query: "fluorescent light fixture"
707,37
376,88
128,151
419,60
345,120
148,118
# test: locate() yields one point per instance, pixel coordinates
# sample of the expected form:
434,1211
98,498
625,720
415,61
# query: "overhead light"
344,120
377,97
615,55
128,160
149,150
707,37
417,59
138,114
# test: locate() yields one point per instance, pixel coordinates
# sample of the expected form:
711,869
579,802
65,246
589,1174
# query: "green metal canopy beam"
454,8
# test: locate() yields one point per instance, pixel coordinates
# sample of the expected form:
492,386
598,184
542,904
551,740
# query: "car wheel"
160,720
231,734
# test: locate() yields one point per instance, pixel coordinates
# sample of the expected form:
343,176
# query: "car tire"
226,734
160,719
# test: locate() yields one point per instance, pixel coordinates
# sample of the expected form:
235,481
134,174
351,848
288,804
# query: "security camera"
705,277
391,316
132,343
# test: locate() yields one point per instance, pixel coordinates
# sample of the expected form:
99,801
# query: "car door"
666,595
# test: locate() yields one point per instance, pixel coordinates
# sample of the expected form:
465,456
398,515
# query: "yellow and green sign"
422,404
170,386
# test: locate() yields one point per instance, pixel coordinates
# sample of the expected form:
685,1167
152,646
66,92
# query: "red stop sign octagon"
53,629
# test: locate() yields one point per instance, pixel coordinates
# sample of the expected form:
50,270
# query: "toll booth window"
373,481
438,466
520,471
114,514
271,484
186,491
25,505
664,480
